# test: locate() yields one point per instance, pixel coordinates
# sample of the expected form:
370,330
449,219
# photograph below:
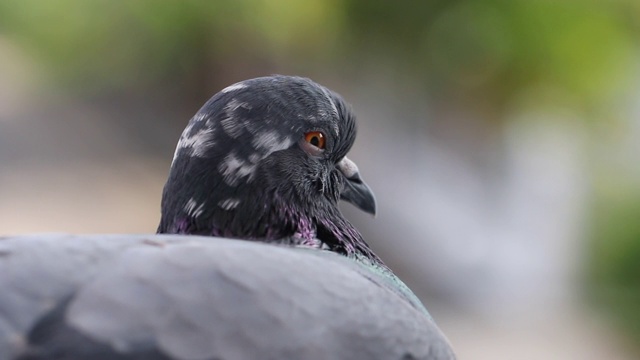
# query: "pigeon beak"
355,190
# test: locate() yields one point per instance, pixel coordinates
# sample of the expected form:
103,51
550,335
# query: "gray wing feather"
207,298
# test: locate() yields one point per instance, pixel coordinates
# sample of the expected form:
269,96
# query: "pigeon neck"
342,237
321,226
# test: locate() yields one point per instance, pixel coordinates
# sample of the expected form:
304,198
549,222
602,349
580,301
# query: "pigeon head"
265,159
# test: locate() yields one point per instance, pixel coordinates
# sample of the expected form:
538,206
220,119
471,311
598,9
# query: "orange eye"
315,138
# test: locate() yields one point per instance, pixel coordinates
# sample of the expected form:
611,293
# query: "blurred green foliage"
585,48
615,253
102,43
490,49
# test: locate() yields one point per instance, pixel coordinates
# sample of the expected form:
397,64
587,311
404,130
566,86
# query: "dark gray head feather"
240,169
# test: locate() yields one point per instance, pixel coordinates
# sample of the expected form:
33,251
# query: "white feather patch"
233,168
193,209
271,141
234,87
229,204
255,158
200,117
231,124
195,145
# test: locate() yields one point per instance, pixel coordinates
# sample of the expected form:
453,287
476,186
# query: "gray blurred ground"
493,249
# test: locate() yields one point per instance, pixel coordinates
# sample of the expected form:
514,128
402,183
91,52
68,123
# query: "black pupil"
315,141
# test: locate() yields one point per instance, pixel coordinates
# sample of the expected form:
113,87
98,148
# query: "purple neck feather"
339,236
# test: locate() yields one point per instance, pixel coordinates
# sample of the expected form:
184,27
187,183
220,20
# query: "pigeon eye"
315,138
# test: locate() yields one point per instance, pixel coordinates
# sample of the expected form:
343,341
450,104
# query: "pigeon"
252,258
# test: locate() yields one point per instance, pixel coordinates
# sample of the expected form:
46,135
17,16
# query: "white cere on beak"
348,168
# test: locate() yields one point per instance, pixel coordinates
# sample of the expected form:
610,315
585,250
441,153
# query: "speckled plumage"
252,157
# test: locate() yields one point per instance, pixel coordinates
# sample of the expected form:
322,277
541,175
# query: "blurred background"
502,139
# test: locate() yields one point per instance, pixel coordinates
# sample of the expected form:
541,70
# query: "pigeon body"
179,297
253,259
